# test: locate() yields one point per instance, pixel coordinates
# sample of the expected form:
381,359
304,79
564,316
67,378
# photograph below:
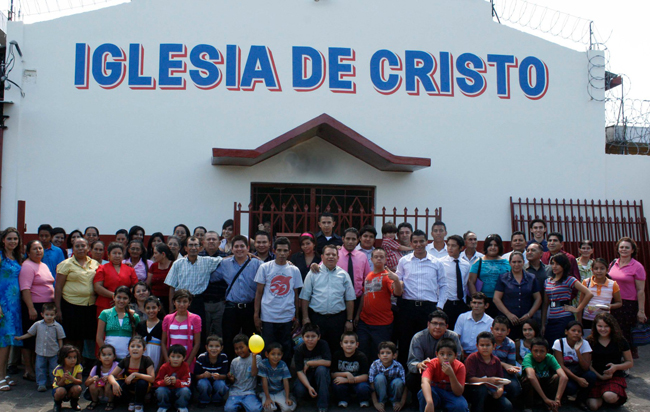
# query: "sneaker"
139,408
182,410
343,404
162,409
57,407
571,398
41,388
74,405
364,404
131,407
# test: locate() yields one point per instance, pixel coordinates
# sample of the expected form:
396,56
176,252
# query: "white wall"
114,158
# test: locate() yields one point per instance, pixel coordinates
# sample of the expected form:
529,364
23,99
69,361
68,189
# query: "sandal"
10,381
28,377
109,406
92,405
4,387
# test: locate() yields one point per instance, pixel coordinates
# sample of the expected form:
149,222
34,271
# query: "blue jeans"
479,397
280,333
342,391
44,367
370,336
319,378
386,390
250,403
443,399
572,387
214,391
177,397
513,389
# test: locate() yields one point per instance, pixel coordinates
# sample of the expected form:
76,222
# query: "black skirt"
79,322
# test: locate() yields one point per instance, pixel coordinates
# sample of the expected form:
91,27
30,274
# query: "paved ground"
24,398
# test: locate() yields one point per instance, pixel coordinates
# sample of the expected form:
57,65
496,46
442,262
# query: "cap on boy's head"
349,333
180,349
310,327
539,342
501,320
273,345
447,343
213,338
485,335
240,338
387,345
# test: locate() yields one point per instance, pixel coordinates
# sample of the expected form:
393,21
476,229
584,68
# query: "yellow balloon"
256,343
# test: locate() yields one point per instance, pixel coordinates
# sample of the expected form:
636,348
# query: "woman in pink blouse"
630,276
37,288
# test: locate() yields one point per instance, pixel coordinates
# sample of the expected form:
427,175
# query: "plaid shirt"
391,246
395,370
192,276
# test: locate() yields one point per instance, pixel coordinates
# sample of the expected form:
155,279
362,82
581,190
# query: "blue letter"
419,68
446,74
301,57
340,70
385,84
136,69
82,66
169,66
259,68
233,67
107,74
205,58
473,83
503,63
537,91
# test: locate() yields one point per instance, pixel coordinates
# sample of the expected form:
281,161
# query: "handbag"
479,282
641,334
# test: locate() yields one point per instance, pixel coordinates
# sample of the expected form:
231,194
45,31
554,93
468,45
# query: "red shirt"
391,246
158,276
182,374
112,280
439,378
377,291
546,258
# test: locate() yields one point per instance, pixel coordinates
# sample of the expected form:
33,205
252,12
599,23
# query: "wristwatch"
350,320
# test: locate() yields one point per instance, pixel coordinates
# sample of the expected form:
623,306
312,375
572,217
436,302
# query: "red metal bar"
20,218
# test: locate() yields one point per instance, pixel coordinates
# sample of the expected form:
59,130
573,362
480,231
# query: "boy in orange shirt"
443,382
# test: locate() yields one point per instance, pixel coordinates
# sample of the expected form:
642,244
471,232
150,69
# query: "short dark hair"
501,320
493,238
438,314
227,224
331,246
180,349
213,338
91,227
57,230
262,233
467,234
558,235
419,232
447,343
532,222
114,245
165,250
536,244
539,342
368,229
631,242
516,253
122,232
480,296
388,227
517,232
351,230
45,227
387,345
586,242
485,335
240,238
326,214
439,223
574,323
200,227
377,249
310,327
282,241
187,229
48,306
240,338
349,333
406,225
182,293
64,351
273,345
459,240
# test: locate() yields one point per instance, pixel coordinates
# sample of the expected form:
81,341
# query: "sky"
622,24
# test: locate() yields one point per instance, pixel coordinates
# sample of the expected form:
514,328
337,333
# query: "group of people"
454,327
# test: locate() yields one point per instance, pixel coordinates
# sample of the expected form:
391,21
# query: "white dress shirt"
435,252
424,279
474,259
450,272
468,329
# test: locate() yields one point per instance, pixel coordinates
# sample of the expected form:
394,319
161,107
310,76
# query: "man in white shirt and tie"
457,273
438,248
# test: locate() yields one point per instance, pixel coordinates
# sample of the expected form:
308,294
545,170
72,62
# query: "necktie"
459,281
350,267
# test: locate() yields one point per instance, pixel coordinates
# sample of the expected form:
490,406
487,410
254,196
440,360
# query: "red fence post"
20,219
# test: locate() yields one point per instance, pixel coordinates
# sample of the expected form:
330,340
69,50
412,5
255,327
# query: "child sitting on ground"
443,381
243,375
387,379
67,378
313,360
211,369
275,380
173,381
485,369
542,376
350,372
